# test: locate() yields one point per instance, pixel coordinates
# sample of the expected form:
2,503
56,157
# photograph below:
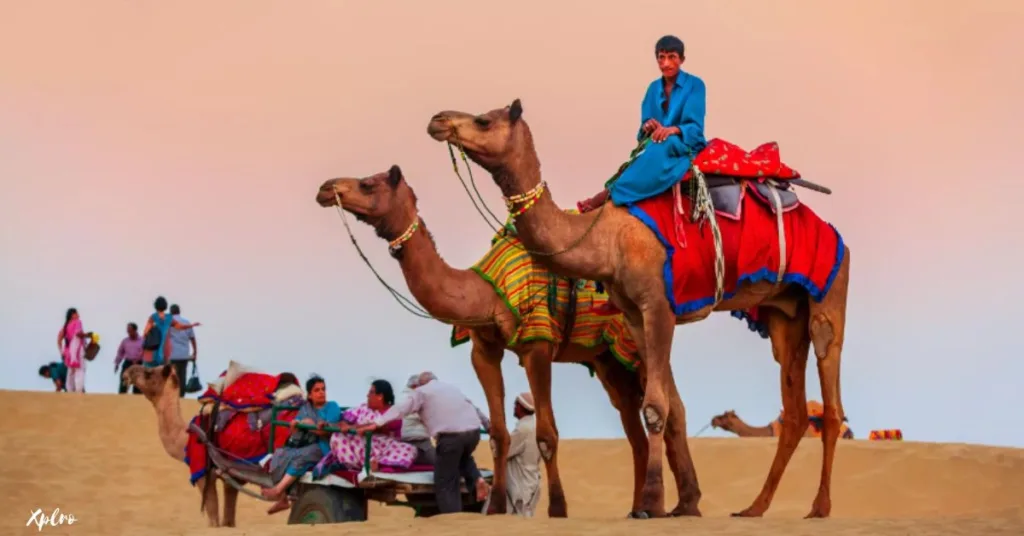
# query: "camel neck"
445,292
546,228
171,426
743,429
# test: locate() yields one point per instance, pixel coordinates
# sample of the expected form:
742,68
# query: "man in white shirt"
455,423
413,431
523,487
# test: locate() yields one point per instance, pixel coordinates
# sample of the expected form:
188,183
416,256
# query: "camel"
731,422
612,246
160,387
387,203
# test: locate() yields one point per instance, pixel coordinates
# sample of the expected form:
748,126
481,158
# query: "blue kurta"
661,165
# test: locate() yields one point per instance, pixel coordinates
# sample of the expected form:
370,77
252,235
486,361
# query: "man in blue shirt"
181,340
672,114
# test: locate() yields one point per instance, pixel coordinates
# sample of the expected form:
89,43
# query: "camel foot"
815,514
497,504
749,512
685,511
557,506
644,514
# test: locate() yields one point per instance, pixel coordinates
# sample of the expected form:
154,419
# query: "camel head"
726,421
154,382
384,201
494,140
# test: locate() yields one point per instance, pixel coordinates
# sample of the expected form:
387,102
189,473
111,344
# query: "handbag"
193,385
92,349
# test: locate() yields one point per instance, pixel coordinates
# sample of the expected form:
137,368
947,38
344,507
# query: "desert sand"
98,457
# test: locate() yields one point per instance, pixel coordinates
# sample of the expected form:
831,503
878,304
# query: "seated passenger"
413,431
304,448
386,447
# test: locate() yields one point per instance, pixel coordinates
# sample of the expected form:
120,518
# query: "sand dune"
98,457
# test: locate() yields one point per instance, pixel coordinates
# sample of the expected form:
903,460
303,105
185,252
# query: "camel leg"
827,330
486,357
790,344
537,358
658,327
209,500
230,501
679,459
625,393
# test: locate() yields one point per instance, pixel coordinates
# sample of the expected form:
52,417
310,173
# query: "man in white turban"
523,488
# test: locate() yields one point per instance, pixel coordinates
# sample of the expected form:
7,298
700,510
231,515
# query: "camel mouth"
439,129
326,197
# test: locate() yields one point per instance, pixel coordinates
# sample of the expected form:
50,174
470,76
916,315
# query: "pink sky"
175,149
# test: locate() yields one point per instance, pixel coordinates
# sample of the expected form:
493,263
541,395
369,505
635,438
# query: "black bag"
193,385
301,438
153,339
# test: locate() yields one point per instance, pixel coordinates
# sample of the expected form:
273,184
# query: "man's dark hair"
133,325
670,43
175,310
160,304
44,370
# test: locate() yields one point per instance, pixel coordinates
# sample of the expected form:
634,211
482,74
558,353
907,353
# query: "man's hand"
662,133
193,357
650,126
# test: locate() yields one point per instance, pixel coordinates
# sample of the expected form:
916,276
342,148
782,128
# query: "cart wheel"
321,504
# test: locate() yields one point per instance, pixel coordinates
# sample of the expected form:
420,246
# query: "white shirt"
442,408
412,426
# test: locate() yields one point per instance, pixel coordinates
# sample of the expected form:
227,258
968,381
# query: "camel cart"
341,496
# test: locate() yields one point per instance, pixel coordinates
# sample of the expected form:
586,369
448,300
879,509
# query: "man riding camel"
672,114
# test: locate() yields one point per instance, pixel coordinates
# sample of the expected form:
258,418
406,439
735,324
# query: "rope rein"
409,304
529,199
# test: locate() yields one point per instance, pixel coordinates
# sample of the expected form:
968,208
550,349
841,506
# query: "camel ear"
394,176
515,111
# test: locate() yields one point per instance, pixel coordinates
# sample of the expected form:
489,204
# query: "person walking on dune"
71,342
129,353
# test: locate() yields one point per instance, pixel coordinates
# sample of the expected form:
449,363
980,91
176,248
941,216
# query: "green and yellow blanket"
540,300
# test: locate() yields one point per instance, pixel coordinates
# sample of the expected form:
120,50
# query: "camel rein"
527,200
408,304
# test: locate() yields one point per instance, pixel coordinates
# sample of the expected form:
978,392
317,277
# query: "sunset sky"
175,149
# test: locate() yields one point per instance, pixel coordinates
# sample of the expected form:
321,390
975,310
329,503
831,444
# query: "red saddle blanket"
237,439
723,158
250,392
750,245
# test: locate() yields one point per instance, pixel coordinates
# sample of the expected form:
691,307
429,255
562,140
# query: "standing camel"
615,247
160,387
387,203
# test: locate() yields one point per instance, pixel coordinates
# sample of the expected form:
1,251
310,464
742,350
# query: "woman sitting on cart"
386,448
304,448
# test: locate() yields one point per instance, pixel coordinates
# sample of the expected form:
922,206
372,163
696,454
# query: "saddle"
727,194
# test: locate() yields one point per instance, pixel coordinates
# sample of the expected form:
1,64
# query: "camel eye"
482,122
365,187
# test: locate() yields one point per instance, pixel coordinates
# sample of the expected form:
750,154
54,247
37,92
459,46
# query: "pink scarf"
74,347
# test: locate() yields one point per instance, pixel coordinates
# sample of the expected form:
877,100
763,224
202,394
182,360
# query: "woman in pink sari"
385,447
71,343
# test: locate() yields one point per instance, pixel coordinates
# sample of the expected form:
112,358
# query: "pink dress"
74,347
385,449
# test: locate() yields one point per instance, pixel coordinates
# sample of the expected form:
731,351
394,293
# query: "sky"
175,149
